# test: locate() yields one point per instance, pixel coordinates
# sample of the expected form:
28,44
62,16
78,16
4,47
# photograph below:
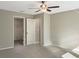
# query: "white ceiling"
19,6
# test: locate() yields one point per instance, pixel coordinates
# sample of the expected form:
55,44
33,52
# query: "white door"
31,23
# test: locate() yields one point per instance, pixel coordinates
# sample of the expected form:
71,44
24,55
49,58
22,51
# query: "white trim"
18,17
47,44
23,27
24,31
13,29
33,43
6,48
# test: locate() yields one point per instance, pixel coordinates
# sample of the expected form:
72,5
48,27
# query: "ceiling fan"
45,8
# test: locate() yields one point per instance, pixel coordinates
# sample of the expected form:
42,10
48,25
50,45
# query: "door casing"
23,28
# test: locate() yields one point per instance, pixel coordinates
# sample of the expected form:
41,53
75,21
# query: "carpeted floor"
32,51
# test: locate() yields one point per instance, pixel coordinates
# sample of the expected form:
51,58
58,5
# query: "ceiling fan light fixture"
43,8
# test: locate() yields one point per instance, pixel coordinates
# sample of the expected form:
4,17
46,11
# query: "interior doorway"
26,31
19,31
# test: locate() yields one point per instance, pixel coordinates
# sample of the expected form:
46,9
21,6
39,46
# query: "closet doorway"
19,31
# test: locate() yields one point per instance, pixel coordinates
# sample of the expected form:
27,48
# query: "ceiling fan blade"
33,8
37,11
54,7
49,10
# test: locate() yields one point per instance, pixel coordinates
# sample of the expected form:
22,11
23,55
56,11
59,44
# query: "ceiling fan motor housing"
43,7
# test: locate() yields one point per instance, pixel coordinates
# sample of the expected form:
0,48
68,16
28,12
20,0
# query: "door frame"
23,28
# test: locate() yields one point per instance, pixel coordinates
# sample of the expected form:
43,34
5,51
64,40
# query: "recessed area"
18,31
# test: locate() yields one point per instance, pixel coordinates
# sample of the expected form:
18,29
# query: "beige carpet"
32,51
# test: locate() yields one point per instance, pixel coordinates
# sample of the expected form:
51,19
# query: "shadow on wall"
54,38
68,40
65,29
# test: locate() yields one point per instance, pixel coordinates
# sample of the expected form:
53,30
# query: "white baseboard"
47,45
6,48
33,43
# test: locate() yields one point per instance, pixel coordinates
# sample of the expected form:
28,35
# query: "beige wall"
6,27
65,29
40,17
37,33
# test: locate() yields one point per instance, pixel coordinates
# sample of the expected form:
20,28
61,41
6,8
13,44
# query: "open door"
32,31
